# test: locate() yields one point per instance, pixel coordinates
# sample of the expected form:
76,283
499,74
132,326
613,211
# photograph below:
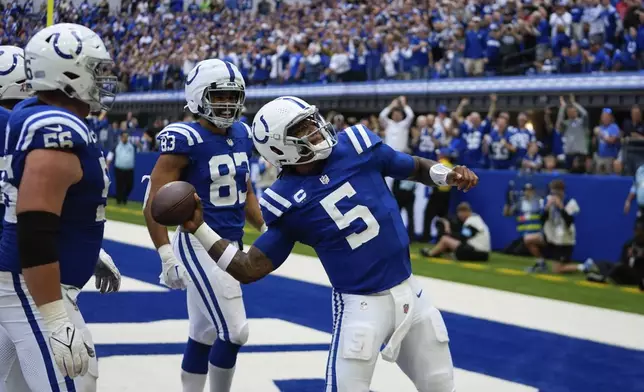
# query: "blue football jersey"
346,213
218,169
472,155
521,139
500,156
82,219
4,119
426,146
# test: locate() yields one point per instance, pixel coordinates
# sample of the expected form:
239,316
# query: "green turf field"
502,272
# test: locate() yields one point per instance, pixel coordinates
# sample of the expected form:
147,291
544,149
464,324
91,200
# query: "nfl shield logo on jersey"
324,179
405,308
230,142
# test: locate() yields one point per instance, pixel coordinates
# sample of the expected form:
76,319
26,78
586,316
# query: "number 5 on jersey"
343,221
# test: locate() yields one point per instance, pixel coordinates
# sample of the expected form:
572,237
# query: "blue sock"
195,358
224,354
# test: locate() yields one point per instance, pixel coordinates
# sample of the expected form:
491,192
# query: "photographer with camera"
559,234
630,269
527,209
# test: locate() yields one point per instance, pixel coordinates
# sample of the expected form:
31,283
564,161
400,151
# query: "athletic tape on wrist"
53,313
438,174
206,236
263,229
227,257
165,252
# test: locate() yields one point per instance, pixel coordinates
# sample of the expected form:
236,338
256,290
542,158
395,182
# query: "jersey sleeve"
391,163
273,205
394,163
276,244
51,129
361,138
178,139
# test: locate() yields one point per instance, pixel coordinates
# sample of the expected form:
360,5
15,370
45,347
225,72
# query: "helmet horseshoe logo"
13,65
192,79
67,56
265,138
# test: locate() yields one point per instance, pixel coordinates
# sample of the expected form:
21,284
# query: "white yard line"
578,321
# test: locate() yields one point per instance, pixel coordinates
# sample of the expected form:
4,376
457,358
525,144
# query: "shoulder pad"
247,129
51,128
361,138
178,138
273,205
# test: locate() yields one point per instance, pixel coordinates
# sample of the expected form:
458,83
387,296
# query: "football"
174,203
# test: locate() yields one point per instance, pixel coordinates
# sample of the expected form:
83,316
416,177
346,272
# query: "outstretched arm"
402,166
268,252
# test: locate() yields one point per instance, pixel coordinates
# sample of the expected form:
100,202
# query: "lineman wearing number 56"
54,186
211,154
332,196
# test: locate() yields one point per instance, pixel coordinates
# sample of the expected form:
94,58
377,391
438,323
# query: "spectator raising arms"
572,122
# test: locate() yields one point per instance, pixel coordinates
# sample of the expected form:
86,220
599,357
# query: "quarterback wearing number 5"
332,196
212,154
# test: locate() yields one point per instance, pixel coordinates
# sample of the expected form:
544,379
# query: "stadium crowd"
155,43
566,139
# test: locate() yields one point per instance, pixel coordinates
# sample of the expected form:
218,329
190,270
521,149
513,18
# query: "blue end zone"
549,362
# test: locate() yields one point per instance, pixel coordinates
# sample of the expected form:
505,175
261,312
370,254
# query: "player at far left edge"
332,196
212,154
57,183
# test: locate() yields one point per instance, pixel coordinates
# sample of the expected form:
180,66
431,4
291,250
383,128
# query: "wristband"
165,252
438,174
264,228
53,314
206,236
227,257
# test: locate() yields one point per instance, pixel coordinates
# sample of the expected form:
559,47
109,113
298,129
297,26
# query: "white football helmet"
12,73
73,59
215,90
289,131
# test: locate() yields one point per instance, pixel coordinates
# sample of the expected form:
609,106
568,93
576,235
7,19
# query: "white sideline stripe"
256,372
547,315
129,285
175,331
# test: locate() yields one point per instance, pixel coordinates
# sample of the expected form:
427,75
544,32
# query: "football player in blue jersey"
332,195
12,91
55,186
212,154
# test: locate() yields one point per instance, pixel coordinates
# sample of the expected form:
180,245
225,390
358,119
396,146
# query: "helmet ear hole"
277,150
71,75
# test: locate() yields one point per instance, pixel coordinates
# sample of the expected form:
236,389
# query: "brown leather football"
174,203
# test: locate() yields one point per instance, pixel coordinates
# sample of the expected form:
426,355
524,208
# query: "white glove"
68,345
173,273
107,276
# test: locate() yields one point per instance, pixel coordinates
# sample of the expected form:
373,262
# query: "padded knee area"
240,337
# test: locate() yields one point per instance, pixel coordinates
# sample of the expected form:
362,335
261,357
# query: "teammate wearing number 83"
332,196
211,154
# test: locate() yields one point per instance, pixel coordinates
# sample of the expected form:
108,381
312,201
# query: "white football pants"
215,303
23,326
403,317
